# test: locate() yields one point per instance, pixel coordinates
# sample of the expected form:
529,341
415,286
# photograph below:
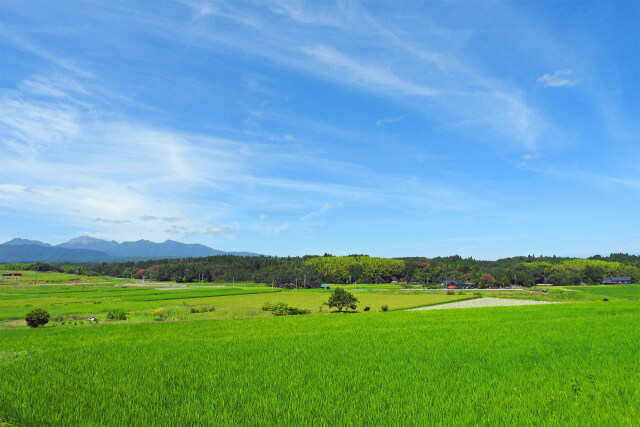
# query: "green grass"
613,292
66,302
564,364
42,277
95,300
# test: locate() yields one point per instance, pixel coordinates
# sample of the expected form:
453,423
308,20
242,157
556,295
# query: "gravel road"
484,302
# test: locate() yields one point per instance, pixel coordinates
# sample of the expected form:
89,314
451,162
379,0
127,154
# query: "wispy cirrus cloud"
131,167
380,57
389,120
344,67
561,78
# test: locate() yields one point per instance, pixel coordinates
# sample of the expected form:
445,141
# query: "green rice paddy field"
561,364
142,304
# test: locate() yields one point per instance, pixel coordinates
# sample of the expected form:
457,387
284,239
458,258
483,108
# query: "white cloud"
173,219
341,66
531,156
389,120
28,126
561,78
220,230
56,86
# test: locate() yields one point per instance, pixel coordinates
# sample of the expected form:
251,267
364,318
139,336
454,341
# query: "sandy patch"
484,302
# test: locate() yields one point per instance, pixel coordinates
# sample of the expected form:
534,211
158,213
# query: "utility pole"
36,282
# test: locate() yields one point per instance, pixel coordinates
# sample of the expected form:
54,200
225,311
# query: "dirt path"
483,302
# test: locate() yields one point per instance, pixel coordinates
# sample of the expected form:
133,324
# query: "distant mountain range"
89,249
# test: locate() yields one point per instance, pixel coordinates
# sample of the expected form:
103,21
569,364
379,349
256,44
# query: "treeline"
522,271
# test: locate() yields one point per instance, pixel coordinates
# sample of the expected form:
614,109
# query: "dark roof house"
454,284
623,280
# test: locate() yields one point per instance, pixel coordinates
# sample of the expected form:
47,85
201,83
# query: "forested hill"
523,271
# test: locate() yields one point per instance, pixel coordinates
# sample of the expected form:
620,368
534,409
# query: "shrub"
37,317
117,314
267,306
202,309
283,309
451,292
385,307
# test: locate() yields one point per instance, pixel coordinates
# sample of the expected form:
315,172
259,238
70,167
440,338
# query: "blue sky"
479,128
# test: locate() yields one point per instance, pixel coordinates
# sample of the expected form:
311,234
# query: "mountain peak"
87,248
18,242
86,240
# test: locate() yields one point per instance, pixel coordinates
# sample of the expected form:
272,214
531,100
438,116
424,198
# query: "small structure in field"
11,274
297,284
623,280
454,284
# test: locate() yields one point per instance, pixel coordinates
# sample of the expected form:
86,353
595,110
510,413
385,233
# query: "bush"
283,309
37,317
385,307
117,314
202,309
451,292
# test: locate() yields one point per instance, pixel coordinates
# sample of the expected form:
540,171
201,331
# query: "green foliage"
520,271
341,298
356,268
385,307
37,317
117,314
202,309
283,309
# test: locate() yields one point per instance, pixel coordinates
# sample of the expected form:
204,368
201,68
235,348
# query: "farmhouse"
291,284
454,284
11,274
623,280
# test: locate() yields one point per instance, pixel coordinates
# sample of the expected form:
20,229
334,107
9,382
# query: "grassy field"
596,293
33,277
142,304
562,364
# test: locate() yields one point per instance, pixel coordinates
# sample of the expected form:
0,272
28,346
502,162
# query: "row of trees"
523,271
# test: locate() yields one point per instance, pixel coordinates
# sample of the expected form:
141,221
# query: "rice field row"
559,364
142,303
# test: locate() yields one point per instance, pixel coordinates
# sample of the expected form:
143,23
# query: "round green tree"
37,317
342,299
